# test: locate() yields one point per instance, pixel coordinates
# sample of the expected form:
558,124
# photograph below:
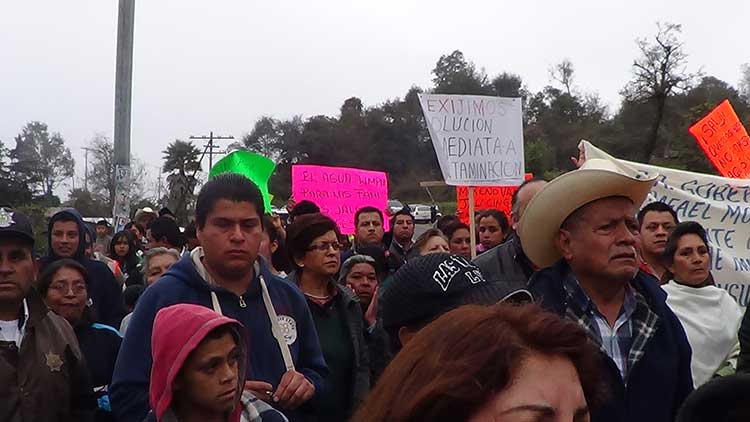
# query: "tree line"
664,96
661,100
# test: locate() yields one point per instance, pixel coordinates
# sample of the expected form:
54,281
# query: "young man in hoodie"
198,374
67,234
287,367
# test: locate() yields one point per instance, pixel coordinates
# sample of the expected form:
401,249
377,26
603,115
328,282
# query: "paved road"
421,228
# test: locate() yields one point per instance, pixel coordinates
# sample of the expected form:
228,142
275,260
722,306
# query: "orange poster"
724,141
485,197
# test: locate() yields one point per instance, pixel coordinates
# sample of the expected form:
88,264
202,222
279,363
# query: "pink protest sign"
340,191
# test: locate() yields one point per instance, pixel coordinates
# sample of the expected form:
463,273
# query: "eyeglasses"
324,246
78,288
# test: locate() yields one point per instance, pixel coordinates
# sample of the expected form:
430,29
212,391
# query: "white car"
422,213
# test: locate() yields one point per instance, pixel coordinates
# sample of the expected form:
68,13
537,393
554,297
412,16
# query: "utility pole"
158,189
86,167
123,95
210,146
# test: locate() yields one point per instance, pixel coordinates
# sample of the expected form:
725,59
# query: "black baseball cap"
15,224
428,286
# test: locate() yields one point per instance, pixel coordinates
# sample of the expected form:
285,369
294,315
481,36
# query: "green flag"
255,167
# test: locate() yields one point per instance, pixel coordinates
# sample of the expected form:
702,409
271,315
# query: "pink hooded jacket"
178,330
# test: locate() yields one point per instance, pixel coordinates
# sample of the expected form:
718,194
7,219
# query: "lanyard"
271,312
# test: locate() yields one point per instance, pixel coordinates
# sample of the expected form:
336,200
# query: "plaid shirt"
625,341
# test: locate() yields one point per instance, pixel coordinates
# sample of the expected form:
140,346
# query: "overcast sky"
219,65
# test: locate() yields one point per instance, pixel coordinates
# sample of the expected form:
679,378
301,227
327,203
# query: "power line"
209,147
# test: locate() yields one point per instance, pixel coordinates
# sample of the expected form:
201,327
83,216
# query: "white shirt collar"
16,335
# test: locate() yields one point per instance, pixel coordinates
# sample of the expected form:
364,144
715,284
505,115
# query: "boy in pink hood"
198,372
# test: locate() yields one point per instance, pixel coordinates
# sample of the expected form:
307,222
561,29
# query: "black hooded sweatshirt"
104,291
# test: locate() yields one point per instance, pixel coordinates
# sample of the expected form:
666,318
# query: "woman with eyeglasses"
64,287
315,252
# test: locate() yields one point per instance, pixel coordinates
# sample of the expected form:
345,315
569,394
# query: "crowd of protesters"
583,304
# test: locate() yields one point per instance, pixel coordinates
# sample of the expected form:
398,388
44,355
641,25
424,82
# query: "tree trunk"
653,136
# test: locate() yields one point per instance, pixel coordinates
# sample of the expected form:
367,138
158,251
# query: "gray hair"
347,266
154,252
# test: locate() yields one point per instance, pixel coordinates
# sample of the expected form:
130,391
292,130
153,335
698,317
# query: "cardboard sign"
485,198
724,141
478,140
341,191
721,205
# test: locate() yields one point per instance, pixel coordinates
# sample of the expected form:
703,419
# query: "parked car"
394,206
422,213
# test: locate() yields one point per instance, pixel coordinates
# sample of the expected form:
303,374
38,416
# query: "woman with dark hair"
64,287
445,221
123,248
493,227
362,273
273,248
431,241
710,316
490,363
459,239
314,249
139,232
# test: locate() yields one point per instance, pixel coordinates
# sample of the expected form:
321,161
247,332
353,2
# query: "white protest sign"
478,140
719,204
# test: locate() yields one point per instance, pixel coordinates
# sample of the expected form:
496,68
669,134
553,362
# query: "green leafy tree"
264,139
456,75
13,191
87,204
41,159
561,120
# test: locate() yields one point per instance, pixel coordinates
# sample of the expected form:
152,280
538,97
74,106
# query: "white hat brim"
549,208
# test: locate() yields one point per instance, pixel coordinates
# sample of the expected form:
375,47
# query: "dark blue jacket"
99,344
104,290
660,381
183,284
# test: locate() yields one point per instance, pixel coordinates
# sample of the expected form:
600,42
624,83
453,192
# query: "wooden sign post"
472,224
472,220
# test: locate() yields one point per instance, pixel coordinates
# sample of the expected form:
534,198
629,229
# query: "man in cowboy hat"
581,229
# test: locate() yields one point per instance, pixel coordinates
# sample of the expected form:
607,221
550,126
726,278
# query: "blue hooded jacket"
182,284
104,291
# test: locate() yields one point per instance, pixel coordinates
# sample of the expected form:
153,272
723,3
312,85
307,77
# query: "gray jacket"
506,264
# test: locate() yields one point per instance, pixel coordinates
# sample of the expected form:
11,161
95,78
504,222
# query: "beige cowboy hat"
596,179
